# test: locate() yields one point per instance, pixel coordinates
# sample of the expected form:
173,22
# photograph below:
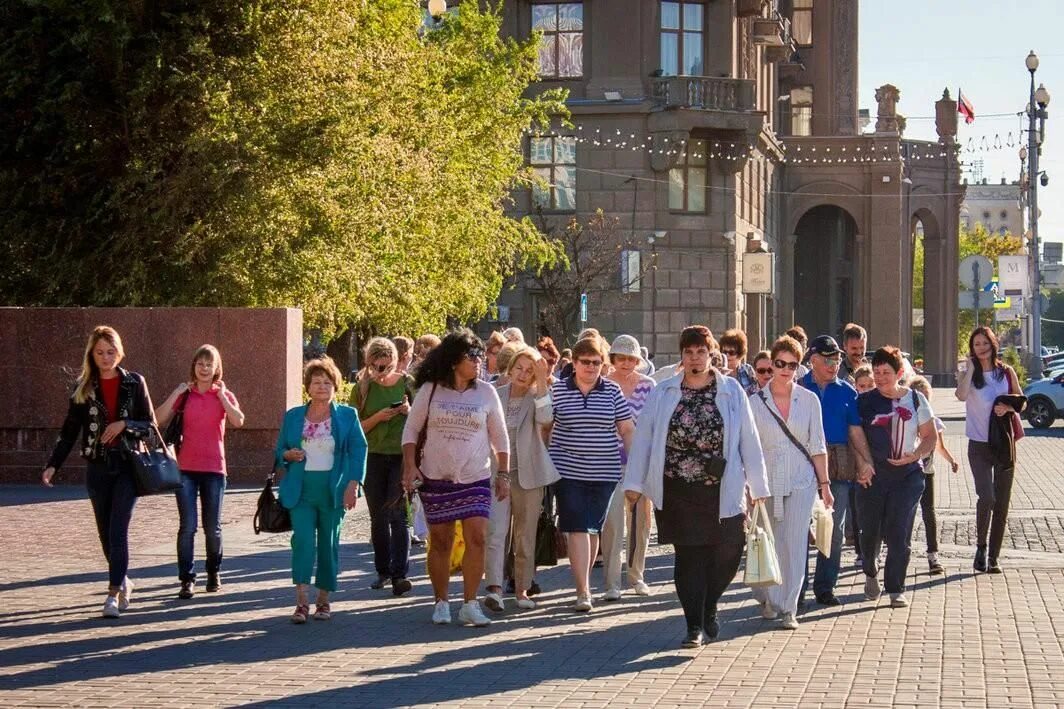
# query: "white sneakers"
789,622
110,608
612,594
472,615
767,611
640,588
441,613
125,593
898,600
526,604
583,604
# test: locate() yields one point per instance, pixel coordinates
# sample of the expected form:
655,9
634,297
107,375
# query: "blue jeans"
827,568
113,495
888,510
210,488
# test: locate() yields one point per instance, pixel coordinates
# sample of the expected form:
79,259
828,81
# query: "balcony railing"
704,92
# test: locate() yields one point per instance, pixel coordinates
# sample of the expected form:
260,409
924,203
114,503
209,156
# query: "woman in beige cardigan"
526,403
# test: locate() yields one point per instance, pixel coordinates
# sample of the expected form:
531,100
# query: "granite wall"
41,351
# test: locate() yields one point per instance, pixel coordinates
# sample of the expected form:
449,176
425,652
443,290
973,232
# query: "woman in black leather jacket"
106,401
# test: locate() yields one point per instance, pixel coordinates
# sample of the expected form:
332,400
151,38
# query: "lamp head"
1041,96
437,8
1032,62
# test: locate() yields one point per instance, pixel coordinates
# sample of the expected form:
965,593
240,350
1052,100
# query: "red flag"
965,108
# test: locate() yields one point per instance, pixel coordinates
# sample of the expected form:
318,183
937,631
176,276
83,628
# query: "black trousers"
993,489
703,572
927,509
387,515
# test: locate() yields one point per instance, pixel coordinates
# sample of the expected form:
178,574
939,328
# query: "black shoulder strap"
786,430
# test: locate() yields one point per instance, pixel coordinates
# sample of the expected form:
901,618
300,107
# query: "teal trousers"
316,533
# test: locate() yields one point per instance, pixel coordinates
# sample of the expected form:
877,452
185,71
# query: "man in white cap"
627,357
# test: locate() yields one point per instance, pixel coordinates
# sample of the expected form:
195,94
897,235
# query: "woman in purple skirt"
458,424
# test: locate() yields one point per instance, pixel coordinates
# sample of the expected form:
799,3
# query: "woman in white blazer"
795,474
526,402
695,452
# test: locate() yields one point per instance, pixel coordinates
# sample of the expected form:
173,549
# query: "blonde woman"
526,404
382,396
206,406
106,401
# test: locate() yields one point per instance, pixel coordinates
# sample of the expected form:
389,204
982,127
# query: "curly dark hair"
438,365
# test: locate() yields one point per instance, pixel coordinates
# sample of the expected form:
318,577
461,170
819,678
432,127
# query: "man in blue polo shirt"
838,404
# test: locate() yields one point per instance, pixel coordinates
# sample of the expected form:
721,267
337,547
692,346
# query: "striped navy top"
583,444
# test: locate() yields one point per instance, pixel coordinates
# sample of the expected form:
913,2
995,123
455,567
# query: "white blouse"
788,470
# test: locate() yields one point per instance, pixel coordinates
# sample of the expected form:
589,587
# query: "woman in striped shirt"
589,414
626,358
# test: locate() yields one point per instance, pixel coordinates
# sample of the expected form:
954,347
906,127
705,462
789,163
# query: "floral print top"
696,432
319,444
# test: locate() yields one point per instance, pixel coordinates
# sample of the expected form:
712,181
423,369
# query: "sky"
924,46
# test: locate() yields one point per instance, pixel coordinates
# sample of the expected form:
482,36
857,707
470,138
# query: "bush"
1012,358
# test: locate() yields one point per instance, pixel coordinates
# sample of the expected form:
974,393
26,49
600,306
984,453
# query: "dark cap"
824,345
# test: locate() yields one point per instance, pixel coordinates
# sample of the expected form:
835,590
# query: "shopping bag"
421,527
457,551
823,524
762,564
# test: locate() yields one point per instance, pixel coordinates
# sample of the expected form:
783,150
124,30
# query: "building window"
802,22
986,216
561,52
553,160
802,111
687,180
1004,214
682,25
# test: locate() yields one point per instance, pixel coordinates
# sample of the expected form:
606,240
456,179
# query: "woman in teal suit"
321,452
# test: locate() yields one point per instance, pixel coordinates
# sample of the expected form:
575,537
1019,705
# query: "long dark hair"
999,368
438,365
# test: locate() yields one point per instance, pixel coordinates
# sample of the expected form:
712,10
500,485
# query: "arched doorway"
825,255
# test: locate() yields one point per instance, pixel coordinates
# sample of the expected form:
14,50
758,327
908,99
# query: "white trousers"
635,519
792,549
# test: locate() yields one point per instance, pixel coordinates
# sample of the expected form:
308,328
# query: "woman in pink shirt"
205,405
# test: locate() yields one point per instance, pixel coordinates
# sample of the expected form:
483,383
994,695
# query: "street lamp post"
1036,114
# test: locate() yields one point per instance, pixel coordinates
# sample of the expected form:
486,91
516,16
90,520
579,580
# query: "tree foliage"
328,154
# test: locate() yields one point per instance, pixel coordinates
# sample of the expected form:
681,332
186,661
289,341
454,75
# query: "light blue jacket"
349,456
742,447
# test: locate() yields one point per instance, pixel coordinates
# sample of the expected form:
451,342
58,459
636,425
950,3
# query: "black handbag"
176,426
548,549
270,515
155,468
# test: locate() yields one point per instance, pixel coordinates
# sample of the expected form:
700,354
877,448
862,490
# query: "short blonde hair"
321,365
506,354
921,385
526,351
206,352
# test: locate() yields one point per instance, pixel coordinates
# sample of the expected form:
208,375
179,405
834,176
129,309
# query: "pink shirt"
203,433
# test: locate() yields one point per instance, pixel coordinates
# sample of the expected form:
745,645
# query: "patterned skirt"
446,501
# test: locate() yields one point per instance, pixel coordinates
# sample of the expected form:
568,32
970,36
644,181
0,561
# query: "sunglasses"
780,364
764,370
474,355
832,361
590,362
382,368
729,353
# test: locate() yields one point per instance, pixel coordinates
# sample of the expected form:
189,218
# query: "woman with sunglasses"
733,347
381,395
455,426
791,428
695,453
763,368
590,412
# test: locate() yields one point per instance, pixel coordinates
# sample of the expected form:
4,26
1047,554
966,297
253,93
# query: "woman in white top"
978,386
455,426
794,473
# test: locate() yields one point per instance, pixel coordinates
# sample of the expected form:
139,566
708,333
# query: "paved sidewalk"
965,641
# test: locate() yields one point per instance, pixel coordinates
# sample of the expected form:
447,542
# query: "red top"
203,433
109,391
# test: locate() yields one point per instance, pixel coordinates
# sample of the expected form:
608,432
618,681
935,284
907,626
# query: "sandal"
321,611
299,616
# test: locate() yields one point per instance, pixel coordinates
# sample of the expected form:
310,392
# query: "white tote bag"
762,564
822,527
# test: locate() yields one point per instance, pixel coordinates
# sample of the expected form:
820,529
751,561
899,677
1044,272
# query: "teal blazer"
350,456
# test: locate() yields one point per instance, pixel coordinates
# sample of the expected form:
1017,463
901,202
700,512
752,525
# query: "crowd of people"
486,433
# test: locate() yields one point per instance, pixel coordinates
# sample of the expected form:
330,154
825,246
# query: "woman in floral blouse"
695,451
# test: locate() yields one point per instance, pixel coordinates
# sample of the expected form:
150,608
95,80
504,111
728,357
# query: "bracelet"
826,482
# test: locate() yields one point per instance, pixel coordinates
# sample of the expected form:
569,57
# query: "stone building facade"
710,130
995,206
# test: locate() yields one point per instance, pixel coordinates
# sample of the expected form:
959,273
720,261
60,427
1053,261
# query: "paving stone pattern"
966,641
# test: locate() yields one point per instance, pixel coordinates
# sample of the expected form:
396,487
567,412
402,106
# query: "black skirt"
690,515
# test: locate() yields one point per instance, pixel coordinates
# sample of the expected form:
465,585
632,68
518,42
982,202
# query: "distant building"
995,206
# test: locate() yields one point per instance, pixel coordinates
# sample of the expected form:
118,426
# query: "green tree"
334,155
976,240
